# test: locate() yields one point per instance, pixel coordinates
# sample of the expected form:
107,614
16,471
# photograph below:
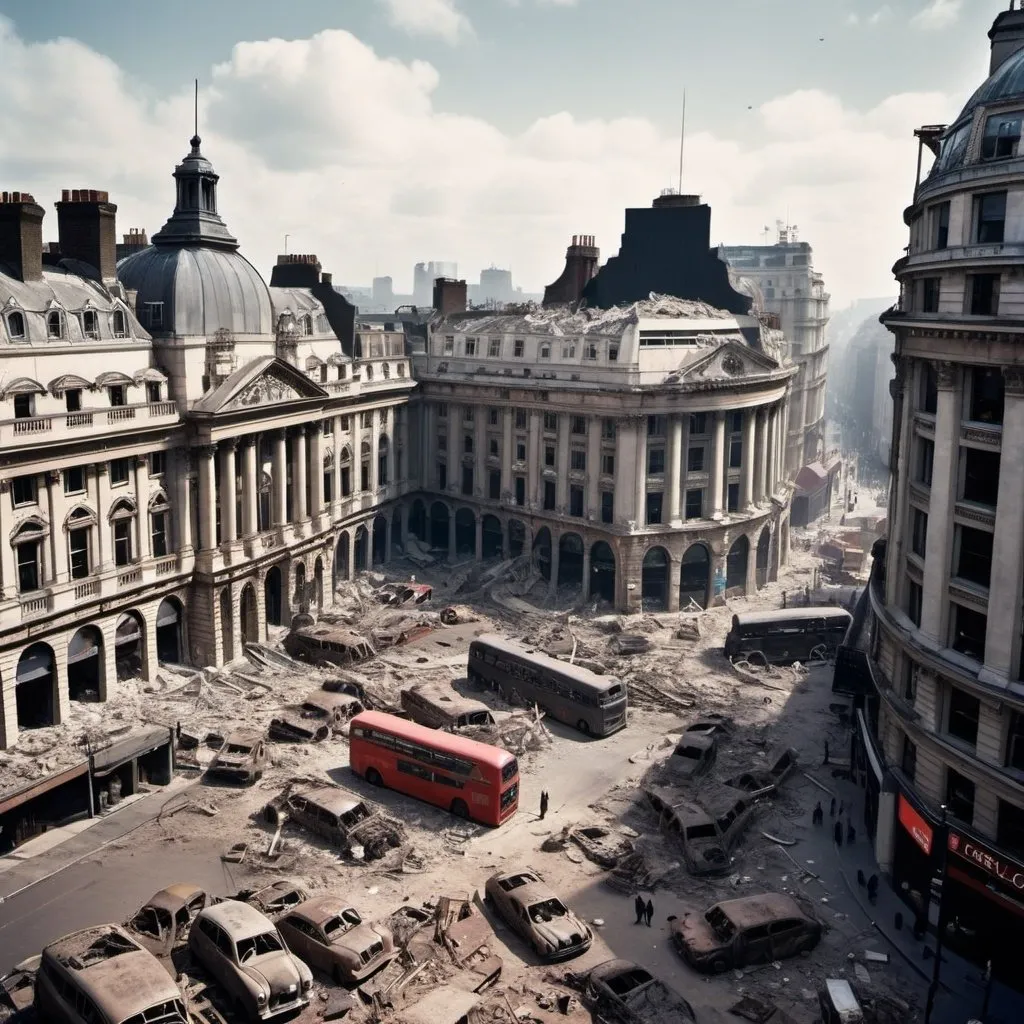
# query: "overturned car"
319,716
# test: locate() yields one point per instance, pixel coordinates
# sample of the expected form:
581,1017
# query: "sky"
381,133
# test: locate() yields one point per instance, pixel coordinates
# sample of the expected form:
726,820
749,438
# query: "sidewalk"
59,848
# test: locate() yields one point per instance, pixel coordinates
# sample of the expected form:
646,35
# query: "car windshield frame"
255,946
721,924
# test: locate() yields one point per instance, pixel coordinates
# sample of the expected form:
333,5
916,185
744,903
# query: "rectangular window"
735,422
492,417
963,716
494,485
578,460
518,347
345,424
974,555
153,392
569,351
698,423
608,464
91,324
549,455
549,495
695,459
1015,742
493,448
925,458
346,481
467,480
981,476
366,420
78,548
467,444
914,597
74,479
908,762
468,413
73,400
983,294
960,796
613,353
735,454
442,442
120,470
590,351
545,351
118,395
941,236
520,491
122,541
1002,135
520,419
442,410
607,506
442,476
382,470
919,532
656,426
28,566
578,425
23,406
576,502
695,503
930,288
734,498
608,429
655,461
928,394
987,395
654,507
449,344
158,534
23,490
989,218
551,421
157,463
1010,828
969,632
153,314
494,348
520,451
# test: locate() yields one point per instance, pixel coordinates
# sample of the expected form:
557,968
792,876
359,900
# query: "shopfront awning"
135,744
15,798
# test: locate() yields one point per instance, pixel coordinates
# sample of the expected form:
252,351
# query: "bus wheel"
757,659
460,810
583,727
373,777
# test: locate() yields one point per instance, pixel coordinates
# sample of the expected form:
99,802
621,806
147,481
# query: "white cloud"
939,14
438,18
346,151
884,13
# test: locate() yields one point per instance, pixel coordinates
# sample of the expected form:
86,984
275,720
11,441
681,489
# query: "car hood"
278,973
295,719
561,929
696,934
358,939
150,943
230,761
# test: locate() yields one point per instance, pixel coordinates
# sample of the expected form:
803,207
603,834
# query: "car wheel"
583,727
460,810
757,658
373,777
321,734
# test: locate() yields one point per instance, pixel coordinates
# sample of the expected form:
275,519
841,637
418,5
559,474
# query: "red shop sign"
1005,870
919,829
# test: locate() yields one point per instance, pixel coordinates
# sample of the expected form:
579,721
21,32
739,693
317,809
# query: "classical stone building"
632,442
187,453
942,722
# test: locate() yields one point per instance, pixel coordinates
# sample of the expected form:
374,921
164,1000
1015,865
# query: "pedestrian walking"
837,833
640,907
873,888
819,815
861,880
543,803
825,762
851,833
842,807
649,912
832,808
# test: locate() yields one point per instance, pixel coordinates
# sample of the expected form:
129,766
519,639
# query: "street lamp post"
940,926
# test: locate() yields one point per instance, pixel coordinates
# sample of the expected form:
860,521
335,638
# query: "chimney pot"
86,228
21,235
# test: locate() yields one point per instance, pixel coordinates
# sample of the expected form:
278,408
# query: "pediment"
731,361
265,381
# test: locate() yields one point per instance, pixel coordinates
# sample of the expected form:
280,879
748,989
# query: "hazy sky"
378,133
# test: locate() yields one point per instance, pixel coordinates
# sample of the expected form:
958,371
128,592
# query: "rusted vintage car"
395,594
164,919
319,716
248,958
241,758
356,828
331,936
600,844
529,906
443,707
764,782
274,899
750,930
105,969
622,991
693,755
18,986
711,724
333,645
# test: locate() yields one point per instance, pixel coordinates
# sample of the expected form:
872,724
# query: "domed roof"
1005,83
202,290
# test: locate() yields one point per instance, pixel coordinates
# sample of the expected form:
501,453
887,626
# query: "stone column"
586,567
761,455
773,449
625,452
339,443
716,471
352,552
749,458
104,541
685,456
9,566
674,455
593,509
299,466
507,450
533,491
316,469
401,466
935,600
55,567
451,535
250,486
553,582
479,538
279,471
207,498
900,454
640,473
428,440
356,475
562,464
144,540
1002,635
374,453
228,496
182,507
480,452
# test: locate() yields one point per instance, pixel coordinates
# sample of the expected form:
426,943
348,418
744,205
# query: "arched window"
307,325
28,555
401,369
159,525
122,521
345,464
387,370
119,324
16,325
78,525
369,372
55,324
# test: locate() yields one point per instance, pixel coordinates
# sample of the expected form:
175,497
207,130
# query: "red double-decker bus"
472,780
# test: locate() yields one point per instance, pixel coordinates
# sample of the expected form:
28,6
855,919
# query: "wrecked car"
164,919
601,844
529,906
274,899
395,594
623,991
746,931
693,755
247,956
357,829
440,708
320,715
711,724
334,645
331,936
241,757
18,986
761,783
105,969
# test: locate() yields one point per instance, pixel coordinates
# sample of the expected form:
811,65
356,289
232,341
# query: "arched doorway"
169,647
516,538
542,552
272,590
380,540
493,541
694,576
570,560
654,580
129,646
418,520
227,631
439,525
341,558
301,601
602,571
86,679
248,615
35,687
764,545
397,540
362,543
736,564
465,532
318,584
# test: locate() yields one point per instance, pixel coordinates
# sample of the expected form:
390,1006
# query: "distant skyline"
382,133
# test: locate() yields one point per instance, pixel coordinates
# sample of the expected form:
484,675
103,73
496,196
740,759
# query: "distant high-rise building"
383,291
424,276
496,285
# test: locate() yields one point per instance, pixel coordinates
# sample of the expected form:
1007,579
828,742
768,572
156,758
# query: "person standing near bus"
640,907
543,803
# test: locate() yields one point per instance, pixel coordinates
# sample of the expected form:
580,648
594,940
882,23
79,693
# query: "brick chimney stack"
581,259
87,230
449,296
21,235
295,270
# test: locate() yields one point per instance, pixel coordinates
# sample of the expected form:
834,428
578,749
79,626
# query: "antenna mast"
196,108
682,142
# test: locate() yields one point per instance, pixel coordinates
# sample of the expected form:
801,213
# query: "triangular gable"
729,362
265,381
